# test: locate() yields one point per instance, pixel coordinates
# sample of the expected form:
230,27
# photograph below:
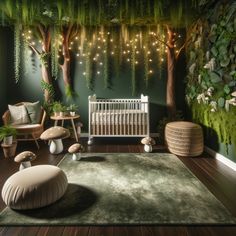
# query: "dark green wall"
4,58
28,88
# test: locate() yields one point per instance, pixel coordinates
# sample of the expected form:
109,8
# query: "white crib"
118,117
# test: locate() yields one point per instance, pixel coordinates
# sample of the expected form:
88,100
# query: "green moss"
220,123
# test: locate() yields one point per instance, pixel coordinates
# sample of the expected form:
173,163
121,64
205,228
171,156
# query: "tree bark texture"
171,62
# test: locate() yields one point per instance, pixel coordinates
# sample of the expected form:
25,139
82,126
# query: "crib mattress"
119,117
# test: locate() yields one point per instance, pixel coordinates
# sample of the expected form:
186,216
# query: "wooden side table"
63,118
9,150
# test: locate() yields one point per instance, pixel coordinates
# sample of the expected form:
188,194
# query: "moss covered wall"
211,76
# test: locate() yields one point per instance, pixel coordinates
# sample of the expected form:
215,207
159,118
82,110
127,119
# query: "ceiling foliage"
101,12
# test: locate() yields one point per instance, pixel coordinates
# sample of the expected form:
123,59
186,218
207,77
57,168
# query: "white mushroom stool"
25,158
148,142
76,150
55,135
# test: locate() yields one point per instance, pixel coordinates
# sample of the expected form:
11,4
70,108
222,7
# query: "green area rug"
127,188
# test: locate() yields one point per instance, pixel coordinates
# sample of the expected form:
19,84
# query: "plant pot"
57,113
8,140
9,150
62,113
72,113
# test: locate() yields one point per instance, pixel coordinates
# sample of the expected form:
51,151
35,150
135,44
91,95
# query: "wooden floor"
219,179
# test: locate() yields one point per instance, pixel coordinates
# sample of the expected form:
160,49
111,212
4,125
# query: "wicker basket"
184,138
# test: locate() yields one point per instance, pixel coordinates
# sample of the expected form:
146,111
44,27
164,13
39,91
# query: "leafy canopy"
177,13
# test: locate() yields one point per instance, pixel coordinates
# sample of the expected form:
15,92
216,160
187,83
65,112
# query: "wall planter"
9,150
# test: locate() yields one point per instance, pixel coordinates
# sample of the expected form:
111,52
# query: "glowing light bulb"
84,73
80,62
104,40
99,39
23,34
84,54
67,59
33,43
148,52
101,63
135,47
127,44
29,31
111,40
124,52
179,36
77,54
112,53
136,62
71,43
144,47
104,51
150,60
108,33
136,40
162,59
76,37
128,59
94,59
177,51
90,44
158,49
98,72
150,71
99,47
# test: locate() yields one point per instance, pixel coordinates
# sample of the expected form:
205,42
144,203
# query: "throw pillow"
34,111
19,115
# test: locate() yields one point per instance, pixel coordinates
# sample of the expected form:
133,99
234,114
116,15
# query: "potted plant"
72,109
7,133
63,110
57,108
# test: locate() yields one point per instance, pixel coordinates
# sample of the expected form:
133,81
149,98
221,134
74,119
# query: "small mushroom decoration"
75,150
25,158
55,135
233,100
148,142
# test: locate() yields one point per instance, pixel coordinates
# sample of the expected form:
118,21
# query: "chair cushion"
34,111
34,187
18,114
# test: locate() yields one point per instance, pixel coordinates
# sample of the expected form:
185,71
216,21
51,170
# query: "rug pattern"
127,188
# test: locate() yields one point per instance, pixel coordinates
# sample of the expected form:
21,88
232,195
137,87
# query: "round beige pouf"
184,138
34,187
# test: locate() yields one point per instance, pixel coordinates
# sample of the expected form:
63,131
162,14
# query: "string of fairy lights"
135,48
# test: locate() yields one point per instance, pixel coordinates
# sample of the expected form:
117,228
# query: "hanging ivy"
17,51
48,87
55,53
44,57
88,69
106,66
133,61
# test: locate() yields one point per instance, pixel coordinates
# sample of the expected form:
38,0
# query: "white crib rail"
118,117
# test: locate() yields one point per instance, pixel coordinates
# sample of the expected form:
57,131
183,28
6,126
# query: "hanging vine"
17,51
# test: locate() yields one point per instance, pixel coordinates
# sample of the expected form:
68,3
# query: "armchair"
26,132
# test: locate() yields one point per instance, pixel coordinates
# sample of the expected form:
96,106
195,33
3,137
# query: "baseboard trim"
154,135
221,158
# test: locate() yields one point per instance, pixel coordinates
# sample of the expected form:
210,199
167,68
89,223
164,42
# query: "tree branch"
34,49
160,40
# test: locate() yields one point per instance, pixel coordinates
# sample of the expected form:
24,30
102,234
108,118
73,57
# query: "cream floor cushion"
34,187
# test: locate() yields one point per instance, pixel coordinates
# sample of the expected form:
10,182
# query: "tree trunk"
170,88
66,65
46,68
